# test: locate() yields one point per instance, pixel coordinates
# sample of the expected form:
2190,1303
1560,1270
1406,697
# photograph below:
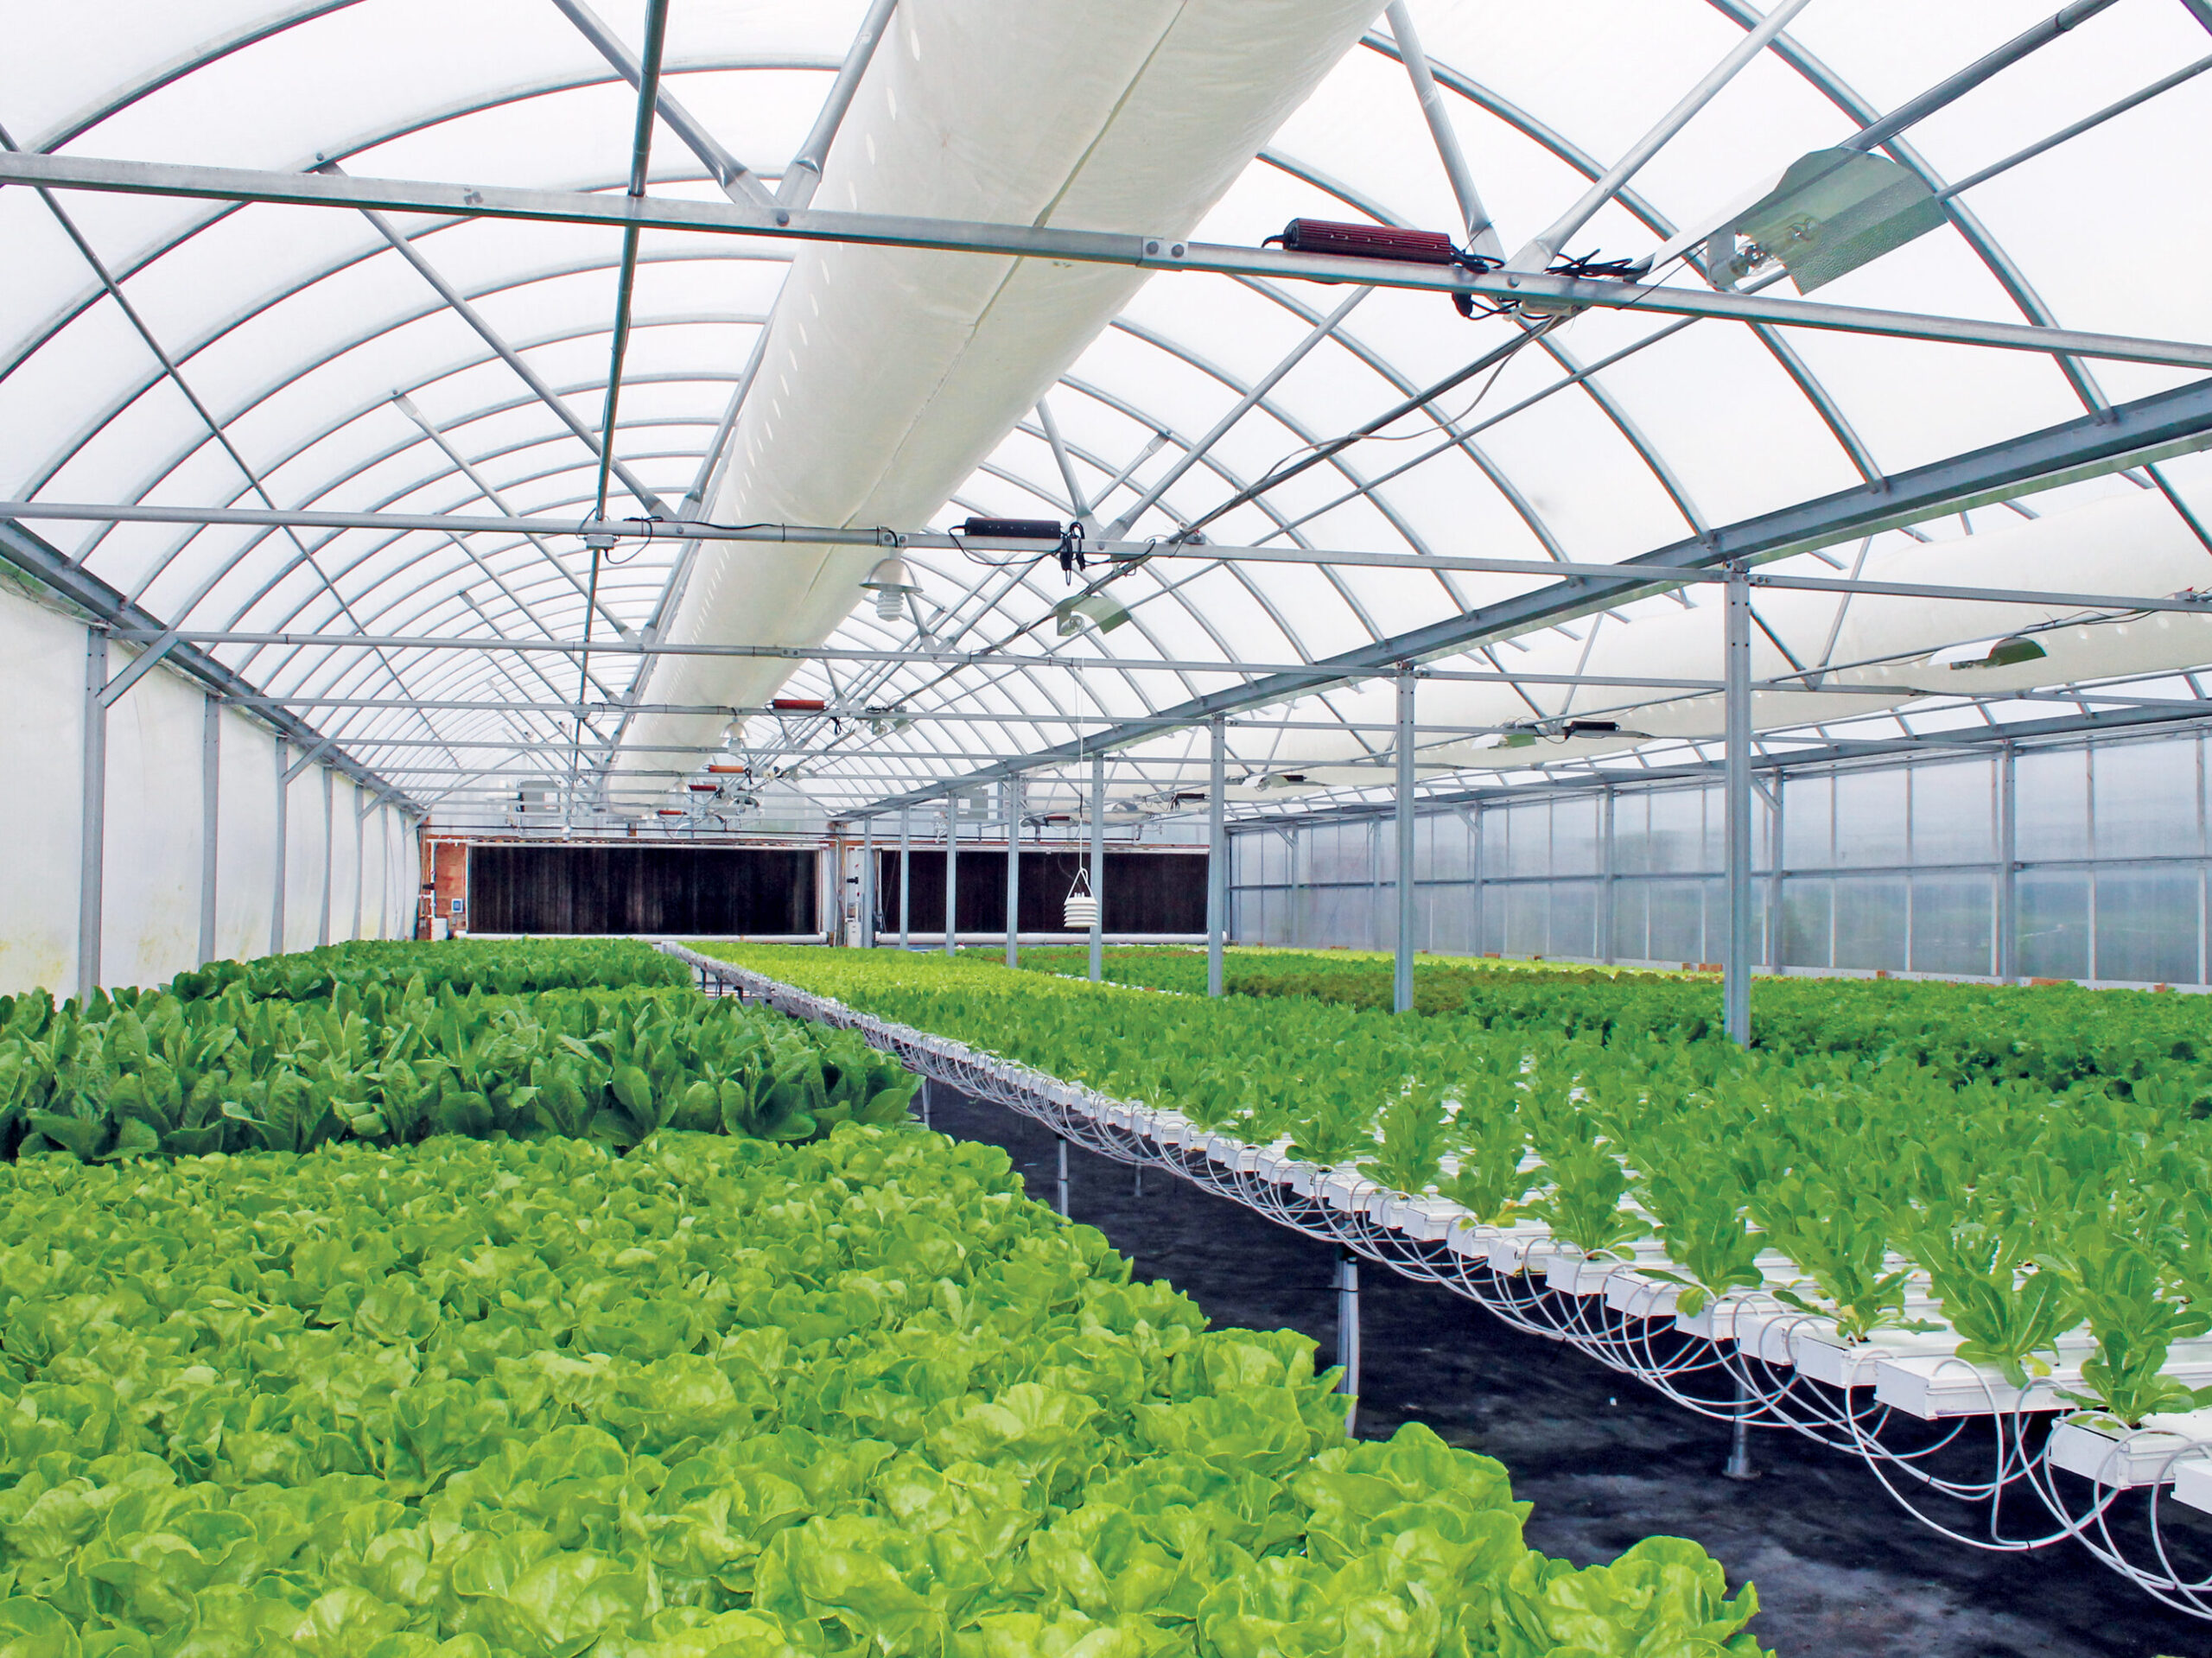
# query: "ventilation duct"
887,374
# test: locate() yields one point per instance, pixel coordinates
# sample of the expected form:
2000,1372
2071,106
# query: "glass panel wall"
2075,860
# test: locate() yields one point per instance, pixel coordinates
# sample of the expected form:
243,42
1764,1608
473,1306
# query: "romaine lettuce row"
1975,1155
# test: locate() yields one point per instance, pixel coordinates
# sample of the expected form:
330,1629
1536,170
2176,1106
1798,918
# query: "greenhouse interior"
1255,828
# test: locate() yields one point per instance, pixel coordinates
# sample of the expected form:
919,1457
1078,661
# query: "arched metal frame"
424,590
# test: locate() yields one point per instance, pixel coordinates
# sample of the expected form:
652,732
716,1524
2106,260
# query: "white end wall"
350,875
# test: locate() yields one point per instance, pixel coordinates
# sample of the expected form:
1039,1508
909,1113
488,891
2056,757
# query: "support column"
868,883
1062,1202
211,786
1606,866
92,856
1010,792
951,873
1777,802
1098,866
1736,961
360,865
1401,983
1348,1333
392,888
1217,852
906,873
330,857
283,833
2008,863
1475,861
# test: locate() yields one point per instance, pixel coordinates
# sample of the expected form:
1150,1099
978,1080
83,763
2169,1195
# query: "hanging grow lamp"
1988,653
1102,612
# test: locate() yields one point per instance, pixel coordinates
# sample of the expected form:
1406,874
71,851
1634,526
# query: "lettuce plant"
715,1397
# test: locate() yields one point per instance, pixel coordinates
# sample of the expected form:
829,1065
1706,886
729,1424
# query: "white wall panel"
245,838
42,749
304,859
150,911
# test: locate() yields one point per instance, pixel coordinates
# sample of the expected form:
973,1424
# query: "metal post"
329,857
1061,1204
2008,866
361,865
1739,1465
1402,989
928,1088
906,872
1098,867
284,831
211,784
91,860
951,873
1605,803
1217,853
1475,862
868,883
1736,964
1777,803
1348,1333
1010,793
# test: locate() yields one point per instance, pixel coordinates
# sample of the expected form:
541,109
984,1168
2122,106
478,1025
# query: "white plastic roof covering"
292,329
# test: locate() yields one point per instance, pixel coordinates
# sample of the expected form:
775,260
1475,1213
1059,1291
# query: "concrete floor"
1842,1572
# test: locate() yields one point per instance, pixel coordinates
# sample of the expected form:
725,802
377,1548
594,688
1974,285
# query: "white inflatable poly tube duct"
887,375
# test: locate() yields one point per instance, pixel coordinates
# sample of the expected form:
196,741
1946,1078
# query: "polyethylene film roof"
194,354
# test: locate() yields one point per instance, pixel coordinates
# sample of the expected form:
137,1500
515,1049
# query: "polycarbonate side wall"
349,869
1902,868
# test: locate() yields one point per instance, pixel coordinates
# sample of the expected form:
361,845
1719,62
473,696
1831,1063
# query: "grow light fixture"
884,720
1100,610
1529,736
1829,212
1988,653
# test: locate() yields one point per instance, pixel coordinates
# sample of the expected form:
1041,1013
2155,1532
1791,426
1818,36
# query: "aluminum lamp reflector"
1102,612
1988,653
1833,211
890,583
